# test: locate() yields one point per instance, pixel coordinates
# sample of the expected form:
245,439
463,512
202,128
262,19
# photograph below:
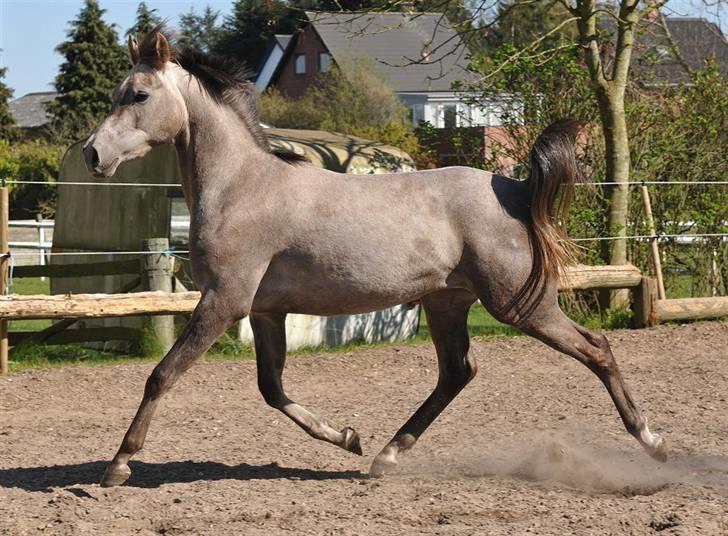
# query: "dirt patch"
533,445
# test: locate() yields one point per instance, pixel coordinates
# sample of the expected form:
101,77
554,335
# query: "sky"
30,30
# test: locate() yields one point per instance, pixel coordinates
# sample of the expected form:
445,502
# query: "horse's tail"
551,181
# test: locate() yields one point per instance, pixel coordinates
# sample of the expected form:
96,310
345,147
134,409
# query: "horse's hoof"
351,441
115,475
659,451
381,465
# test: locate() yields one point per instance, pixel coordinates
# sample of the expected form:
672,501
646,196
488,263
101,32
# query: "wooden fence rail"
16,307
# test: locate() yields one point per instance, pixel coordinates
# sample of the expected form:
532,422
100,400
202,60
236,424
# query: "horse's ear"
164,53
155,50
133,50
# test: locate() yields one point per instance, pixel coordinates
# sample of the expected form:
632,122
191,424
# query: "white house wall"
304,331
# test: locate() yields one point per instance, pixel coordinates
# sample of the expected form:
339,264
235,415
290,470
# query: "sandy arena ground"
532,446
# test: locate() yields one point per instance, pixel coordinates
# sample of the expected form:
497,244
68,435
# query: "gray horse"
272,235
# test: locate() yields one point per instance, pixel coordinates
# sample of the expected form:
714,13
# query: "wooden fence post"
654,249
5,251
157,275
645,303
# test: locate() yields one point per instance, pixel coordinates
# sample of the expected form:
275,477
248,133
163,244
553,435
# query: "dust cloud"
570,458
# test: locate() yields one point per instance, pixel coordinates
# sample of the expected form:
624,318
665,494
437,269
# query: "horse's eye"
141,96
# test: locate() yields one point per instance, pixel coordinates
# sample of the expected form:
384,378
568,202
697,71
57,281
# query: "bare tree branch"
674,48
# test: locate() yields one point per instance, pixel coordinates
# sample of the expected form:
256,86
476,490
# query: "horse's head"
148,108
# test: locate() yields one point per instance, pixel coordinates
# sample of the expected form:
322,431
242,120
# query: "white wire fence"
685,238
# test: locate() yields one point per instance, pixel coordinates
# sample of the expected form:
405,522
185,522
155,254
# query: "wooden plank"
5,250
129,266
692,308
70,336
581,277
645,303
57,327
15,307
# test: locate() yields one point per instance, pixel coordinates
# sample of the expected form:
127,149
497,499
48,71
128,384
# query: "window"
300,63
450,116
418,114
324,62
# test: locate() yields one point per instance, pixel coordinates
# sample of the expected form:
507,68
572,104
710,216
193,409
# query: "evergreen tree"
7,122
245,33
94,64
199,31
521,22
146,20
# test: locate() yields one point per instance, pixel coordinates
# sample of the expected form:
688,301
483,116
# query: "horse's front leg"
269,331
209,320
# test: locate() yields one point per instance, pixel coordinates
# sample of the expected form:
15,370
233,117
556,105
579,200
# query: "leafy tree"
245,33
94,64
7,122
675,134
199,31
607,57
35,161
146,20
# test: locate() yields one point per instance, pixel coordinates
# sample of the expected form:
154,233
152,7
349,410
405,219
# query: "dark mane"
227,81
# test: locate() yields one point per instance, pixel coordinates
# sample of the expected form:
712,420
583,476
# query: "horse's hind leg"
447,316
550,325
269,331
208,322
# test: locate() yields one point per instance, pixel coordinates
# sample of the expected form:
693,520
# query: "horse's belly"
293,286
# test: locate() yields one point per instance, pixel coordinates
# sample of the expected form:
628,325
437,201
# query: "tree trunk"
616,140
610,91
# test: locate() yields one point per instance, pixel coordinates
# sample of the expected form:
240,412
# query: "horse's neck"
214,152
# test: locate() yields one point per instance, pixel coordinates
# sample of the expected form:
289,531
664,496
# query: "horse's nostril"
92,157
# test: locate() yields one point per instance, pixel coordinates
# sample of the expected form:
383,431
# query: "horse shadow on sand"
153,475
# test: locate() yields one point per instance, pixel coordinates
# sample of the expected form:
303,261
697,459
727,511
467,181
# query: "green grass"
480,324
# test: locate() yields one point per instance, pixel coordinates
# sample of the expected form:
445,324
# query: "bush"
34,161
